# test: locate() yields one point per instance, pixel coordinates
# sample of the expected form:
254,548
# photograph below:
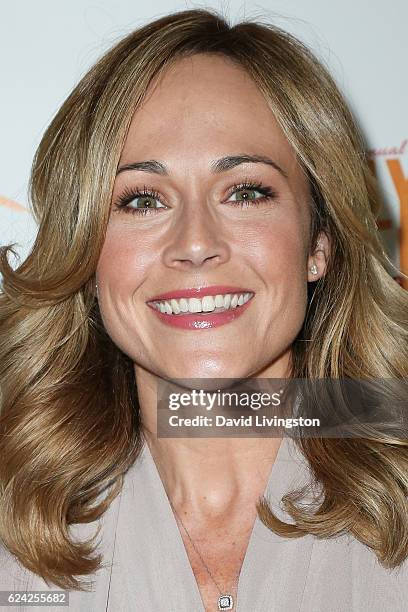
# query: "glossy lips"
201,320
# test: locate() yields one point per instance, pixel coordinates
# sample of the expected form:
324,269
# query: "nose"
197,239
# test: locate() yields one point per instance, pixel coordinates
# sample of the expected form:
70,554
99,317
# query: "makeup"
201,320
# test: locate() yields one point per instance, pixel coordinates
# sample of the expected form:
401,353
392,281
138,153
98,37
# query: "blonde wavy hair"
69,416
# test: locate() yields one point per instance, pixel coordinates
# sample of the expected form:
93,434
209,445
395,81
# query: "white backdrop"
46,46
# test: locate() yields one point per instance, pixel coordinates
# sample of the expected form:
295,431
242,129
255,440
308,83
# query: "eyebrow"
219,165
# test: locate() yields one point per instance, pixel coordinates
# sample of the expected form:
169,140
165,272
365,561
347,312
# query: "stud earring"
96,288
313,269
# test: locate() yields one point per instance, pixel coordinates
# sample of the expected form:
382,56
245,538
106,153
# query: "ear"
317,261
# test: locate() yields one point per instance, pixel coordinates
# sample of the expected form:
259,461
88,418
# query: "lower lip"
197,320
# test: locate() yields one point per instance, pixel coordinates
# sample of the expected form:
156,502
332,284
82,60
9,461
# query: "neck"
207,476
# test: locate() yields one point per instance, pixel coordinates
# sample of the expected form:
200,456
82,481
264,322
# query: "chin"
206,376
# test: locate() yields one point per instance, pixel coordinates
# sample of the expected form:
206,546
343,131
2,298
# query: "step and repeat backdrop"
47,46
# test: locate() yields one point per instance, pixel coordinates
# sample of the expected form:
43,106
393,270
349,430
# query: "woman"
197,160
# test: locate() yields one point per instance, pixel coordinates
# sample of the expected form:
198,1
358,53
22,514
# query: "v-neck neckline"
274,489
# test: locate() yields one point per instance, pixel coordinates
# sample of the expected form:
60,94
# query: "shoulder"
342,569
13,575
339,569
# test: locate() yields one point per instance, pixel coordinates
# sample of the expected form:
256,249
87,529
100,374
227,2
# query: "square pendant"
225,602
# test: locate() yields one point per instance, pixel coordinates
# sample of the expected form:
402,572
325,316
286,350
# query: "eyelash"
131,194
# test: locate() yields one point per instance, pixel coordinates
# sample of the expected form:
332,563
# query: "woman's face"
240,224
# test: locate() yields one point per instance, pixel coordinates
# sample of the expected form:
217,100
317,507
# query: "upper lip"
199,291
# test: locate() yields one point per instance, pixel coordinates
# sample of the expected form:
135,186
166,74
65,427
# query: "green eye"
246,194
249,194
139,202
145,202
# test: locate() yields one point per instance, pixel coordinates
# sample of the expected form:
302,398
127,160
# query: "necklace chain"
202,560
230,602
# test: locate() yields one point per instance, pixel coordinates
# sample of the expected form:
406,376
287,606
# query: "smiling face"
239,223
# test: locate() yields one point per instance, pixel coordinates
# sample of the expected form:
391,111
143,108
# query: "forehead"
201,106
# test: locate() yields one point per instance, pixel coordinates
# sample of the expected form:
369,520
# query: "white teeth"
194,305
183,305
168,308
175,307
206,304
219,301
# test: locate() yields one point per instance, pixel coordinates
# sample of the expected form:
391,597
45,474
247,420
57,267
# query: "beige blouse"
147,567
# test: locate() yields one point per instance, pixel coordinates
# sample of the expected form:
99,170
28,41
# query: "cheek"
279,255
279,251
125,259
123,268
